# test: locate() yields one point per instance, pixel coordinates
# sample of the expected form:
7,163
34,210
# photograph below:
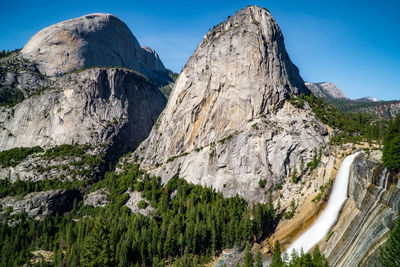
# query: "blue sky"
354,44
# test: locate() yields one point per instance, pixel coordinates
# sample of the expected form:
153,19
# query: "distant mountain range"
335,96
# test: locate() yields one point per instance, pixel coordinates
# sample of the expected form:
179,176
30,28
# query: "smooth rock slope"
91,40
228,123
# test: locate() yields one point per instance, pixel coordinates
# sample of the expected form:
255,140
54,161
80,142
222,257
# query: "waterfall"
383,181
329,215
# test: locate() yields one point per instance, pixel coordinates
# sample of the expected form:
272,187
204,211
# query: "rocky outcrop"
97,198
133,203
19,79
41,204
91,40
228,123
114,108
367,217
326,90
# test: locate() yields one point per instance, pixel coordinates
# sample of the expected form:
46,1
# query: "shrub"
12,157
262,183
142,204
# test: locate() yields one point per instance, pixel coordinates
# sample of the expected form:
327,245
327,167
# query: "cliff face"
91,40
41,204
227,122
367,217
113,107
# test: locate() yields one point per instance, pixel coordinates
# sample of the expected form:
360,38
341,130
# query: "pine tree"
248,256
259,261
317,258
276,256
294,175
389,254
301,165
97,247
391,142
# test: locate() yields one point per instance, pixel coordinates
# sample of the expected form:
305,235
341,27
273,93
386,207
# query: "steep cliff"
111,108
367,217
41,204
228,123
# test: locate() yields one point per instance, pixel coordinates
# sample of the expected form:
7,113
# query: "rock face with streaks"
228,123
91,40
114,108
367,217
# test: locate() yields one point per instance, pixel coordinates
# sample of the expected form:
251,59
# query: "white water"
329,215
383,180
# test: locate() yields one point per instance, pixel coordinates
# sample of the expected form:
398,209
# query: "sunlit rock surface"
92,40
112,107
228,123
367,217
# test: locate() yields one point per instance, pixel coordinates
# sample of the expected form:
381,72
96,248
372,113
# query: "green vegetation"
391,149
353,127
186,229
259,260
14,156
277,256
79,163
65,150
248,256
312,165
166,89
20,188
304,259
178,156
7,53
389,254
262,183
278,187
356,106
323,191
295,176
223,140
142,204
289,214
329,236
9,97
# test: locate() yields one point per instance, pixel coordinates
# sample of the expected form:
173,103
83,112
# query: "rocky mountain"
228,123
381,109
335,96
326,90
96,106
91,40
368,99
50,94
238,120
